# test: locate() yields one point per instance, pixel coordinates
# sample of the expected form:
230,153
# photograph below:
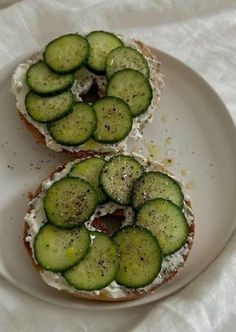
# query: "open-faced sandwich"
111,229
89,92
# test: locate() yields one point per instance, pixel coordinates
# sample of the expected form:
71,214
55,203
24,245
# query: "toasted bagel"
167,273
40,130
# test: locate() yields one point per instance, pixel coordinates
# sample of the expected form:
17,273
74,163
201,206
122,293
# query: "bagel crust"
105,294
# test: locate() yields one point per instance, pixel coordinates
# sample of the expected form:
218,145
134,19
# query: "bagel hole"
91,96
110,223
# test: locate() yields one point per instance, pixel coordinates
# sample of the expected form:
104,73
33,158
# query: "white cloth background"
202,34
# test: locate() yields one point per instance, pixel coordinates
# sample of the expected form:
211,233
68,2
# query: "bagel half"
40,131
172,264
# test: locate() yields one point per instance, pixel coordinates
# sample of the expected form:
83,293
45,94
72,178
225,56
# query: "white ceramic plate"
191,128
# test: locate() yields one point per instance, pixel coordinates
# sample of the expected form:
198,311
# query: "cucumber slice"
166,222
114,120
69,202
126,57
98,268
89,170
101,44
66,53
118,177
46,109
133,87
140,257
43,81
76,127
156,185
58,249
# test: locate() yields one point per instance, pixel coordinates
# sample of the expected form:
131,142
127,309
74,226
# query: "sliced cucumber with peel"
58,249
156,185
76,127
133,87
43,81
126,57
118,177
114,120
99,268
47,109
70,202
89,170
66,53
101,44
140,257
167,223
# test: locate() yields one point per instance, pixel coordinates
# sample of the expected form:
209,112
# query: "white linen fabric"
203,35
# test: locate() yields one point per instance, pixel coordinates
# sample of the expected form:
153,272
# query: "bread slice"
127,294
20,89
